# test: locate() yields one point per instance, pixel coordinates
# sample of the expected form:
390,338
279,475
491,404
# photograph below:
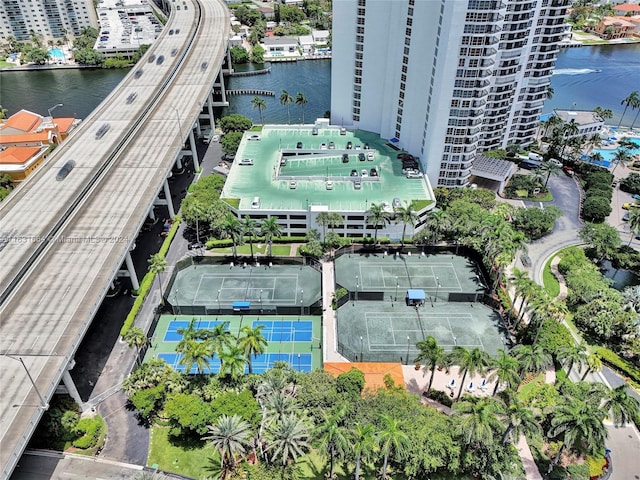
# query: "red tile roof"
63,124
24,120
17,155
374,373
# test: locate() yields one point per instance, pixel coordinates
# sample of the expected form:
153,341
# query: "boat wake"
575,71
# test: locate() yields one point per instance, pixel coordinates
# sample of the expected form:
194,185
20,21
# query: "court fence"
354,353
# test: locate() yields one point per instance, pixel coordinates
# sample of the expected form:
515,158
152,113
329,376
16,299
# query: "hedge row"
614,360
147,281
91,430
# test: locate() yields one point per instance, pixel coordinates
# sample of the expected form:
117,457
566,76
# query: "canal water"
584,78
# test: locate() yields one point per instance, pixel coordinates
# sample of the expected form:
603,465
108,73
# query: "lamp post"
357,285
301,302
43,403
298,362
53,108
182,139
175,300
437,288
218,298
397,285
361,348
408,344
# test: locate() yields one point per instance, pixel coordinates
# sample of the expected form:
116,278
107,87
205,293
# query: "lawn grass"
189,460
4,64
258,248
525,389
551,284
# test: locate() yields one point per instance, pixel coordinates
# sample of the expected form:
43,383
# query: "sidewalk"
329,320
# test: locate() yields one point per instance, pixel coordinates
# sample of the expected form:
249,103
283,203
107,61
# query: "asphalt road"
71,467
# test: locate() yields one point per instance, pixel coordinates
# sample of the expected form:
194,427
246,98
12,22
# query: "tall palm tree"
551,168
478,421
323,221
377,216
603,113
278,405
232,228
136,338
301,101
391,440
252,342
594,364
335,220
632,99
438,221
231,436
431,355
634,224
532,359
260,104
579,423
520,420
504,371
249,227
622,156
287,100
573,355
621,405
219,336
195,352
521,283
332,437
270,229
363,442
157,265
407,215
635,106
232,362
288,438
470,362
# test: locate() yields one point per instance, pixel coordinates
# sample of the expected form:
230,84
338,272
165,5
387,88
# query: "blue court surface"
286,331
172,334
260,364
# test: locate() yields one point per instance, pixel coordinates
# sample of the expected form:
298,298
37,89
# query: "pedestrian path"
329,315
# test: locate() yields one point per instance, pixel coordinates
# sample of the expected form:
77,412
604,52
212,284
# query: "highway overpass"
63,240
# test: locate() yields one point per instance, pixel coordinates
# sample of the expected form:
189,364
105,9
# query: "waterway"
585,77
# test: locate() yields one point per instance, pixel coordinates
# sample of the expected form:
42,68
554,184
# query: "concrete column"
194,152
198,129
71,387
152,214
222,90
229,64
167,194
212,120
179,161
132,271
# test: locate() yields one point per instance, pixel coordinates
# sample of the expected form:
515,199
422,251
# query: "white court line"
195,295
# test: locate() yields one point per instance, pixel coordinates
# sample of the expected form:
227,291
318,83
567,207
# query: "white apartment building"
52,19
445,80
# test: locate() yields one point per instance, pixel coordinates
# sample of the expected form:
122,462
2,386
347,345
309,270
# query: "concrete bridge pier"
70,387
212,120
167,191
132,271
219,83
194,152
152,214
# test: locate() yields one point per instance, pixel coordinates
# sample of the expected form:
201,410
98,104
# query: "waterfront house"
626,9
614,27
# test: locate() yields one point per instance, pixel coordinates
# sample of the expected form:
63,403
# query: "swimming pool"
56,53
609,154
605,162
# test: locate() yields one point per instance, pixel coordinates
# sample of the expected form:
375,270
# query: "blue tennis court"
286,331
172,334
260,364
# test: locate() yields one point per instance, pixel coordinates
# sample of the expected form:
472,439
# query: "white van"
535,157
255,203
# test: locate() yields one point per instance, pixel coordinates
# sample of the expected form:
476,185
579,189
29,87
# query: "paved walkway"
329,321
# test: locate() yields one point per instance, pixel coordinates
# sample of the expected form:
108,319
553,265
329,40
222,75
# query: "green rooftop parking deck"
314,163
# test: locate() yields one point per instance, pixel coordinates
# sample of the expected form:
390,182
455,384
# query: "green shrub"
225,242
90,430
595,465
441,397
578,471
614,360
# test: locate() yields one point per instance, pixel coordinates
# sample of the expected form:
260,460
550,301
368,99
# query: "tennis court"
219,286
295,340
438,275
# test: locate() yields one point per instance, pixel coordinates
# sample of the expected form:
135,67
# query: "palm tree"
249,228
478,420
391,440
623,407
232,362
231,437
579,421
438,221
157,265
603,113
634,224
635,106
301,101
573,354
550,92
260,104
252,342
521,420
522,285
3,113
323,221
470,362
632,99
195,210
232,228
504,370
431,355
335,220
288,438
594,364
278,405
332,437
363,442
270,229
551,168
287,100
377,216
220,338
195,352
136,338
622,156
406,214
532,359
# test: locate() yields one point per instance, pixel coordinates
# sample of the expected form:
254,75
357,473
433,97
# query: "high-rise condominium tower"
446,79
49,19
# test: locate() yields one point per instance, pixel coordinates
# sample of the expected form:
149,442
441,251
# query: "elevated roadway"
62,242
